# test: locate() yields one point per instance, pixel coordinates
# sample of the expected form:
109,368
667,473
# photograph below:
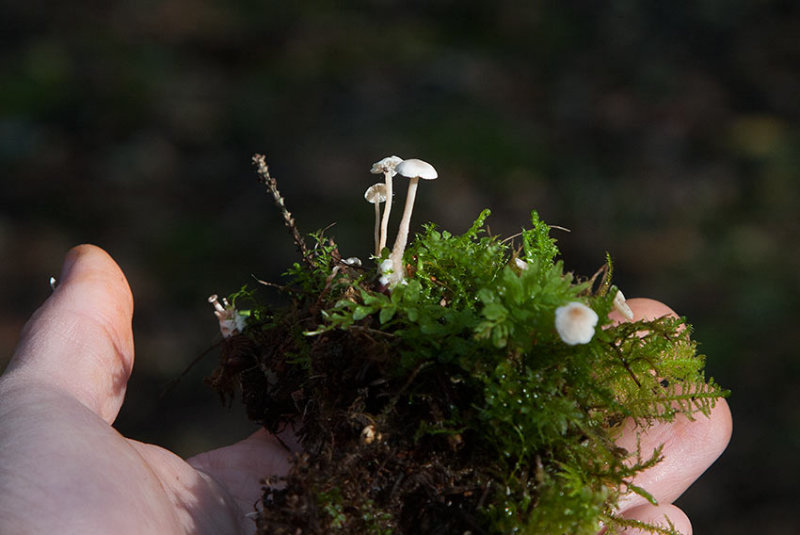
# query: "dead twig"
272,185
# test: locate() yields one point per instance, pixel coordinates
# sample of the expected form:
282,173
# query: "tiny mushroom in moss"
575,323
413,169
230,321
370,435
621,306
387,166
376,194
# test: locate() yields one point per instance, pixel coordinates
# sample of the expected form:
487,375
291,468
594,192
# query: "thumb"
80,340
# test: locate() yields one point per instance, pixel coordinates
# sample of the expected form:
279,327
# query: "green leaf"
495,312
643,493
386,314
361,312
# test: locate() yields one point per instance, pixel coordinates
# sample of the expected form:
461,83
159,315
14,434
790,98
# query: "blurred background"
665,133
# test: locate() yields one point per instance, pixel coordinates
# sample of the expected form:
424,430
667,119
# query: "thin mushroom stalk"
387,167
402,234
376,194
377,229
387,209
413,169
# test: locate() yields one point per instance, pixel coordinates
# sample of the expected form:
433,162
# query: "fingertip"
721,428
659,515
649,309
87,262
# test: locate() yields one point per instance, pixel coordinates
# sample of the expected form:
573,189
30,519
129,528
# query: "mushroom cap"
621,306
387,165
575,323
376,193
414,168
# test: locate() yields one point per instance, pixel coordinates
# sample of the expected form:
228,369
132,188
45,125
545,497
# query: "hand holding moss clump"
471,386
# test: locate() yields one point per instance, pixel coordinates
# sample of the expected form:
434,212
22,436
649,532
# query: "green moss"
486,419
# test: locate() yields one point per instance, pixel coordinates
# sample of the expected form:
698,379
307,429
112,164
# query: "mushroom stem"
402,233
384,232
376,194
218,307
378,229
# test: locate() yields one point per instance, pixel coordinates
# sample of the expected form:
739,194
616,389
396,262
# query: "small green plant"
460,383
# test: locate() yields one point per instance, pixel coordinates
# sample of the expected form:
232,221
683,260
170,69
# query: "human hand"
65,469
689,448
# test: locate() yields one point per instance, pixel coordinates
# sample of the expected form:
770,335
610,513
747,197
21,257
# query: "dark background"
663,132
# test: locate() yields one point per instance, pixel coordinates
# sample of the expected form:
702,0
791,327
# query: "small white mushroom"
352,261
575,323
621,306
413,169
376,194
387,166
369,435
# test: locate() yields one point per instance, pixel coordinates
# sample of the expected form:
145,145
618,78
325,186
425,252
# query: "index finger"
689,446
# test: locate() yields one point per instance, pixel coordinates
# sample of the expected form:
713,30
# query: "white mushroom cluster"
575,323
230,321
414,169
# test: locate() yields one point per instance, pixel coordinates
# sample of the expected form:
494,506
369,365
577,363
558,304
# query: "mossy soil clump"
452,402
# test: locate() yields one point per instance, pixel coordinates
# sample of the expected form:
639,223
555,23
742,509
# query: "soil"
365,467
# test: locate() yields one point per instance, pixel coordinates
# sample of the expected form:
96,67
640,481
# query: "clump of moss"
450,402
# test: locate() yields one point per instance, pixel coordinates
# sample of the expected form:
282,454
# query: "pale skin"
65,469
